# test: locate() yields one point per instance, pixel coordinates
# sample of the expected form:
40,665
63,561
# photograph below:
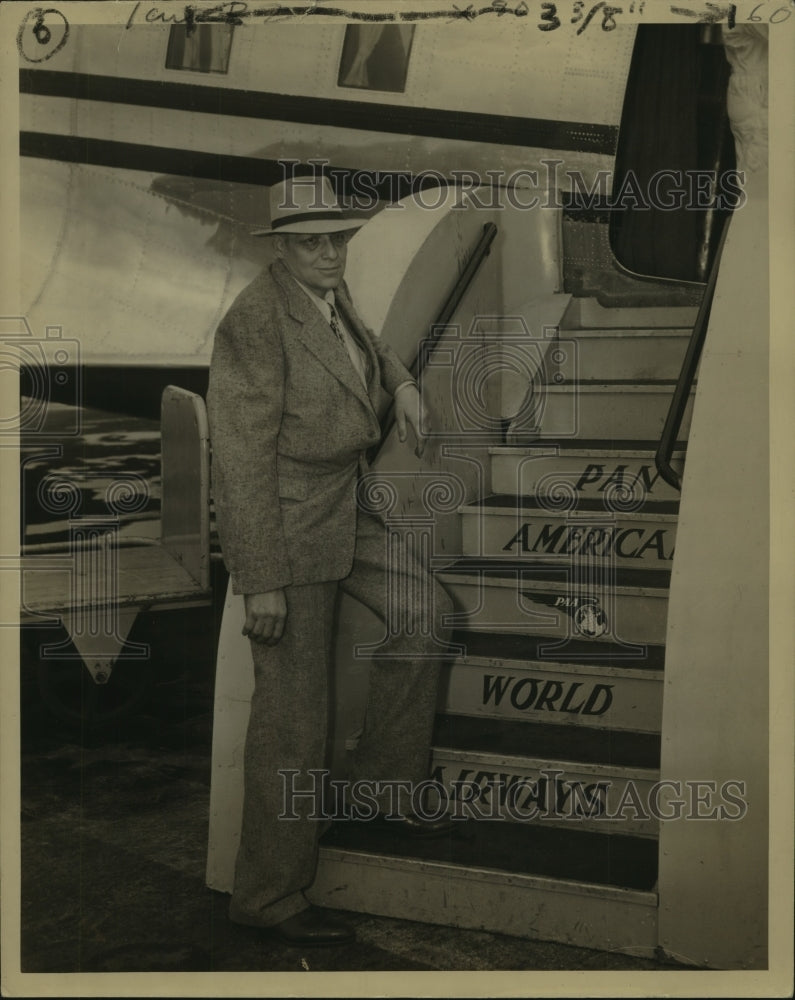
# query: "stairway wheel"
68,690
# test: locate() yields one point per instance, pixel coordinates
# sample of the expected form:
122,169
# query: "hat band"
307,217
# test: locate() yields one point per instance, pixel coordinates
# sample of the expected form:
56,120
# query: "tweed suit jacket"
290,423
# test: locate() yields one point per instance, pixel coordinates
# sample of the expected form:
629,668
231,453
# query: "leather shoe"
312,927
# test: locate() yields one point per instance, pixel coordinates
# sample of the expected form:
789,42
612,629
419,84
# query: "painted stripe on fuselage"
437,123
389,185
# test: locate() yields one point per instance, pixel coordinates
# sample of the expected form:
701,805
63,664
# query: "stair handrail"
687,374
480,251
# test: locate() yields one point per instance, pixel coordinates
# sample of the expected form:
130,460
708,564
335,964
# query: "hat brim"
310,226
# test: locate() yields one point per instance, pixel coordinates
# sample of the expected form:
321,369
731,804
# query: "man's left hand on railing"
410,411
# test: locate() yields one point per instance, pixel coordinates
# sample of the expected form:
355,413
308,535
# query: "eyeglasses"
313,243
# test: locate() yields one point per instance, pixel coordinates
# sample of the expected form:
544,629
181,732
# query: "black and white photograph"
397,524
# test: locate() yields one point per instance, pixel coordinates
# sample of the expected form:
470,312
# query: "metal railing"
679,400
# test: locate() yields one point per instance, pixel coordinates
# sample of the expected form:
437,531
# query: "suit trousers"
289,720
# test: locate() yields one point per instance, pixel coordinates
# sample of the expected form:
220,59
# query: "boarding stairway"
551,715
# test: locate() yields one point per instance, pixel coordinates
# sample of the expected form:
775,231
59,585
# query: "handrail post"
676,410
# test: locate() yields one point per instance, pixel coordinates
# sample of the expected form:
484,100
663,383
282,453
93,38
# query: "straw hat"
306,205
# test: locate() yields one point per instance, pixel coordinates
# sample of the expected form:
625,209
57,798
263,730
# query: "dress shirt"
355,353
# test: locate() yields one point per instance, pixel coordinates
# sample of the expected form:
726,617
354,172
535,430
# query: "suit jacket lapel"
316,335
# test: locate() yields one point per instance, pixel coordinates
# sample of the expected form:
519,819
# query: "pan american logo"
587,614
590,620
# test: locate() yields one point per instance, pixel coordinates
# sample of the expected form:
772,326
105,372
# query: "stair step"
622,446
501,525
574,855
615,410
528,880
503,677
618,353
499,647
587,313
543,789
587,472
626,606
511,738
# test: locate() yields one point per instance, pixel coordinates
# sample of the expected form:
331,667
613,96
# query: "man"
295,379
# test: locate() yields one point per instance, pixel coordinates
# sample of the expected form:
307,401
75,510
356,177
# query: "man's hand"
409,409
265,616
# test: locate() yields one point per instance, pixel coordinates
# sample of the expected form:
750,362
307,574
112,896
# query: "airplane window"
205,49
376,56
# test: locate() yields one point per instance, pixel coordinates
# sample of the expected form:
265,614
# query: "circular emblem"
590,621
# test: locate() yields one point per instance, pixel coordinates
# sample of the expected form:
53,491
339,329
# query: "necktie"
334,324
359,357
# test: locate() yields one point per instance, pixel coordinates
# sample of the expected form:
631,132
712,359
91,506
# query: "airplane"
147,151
